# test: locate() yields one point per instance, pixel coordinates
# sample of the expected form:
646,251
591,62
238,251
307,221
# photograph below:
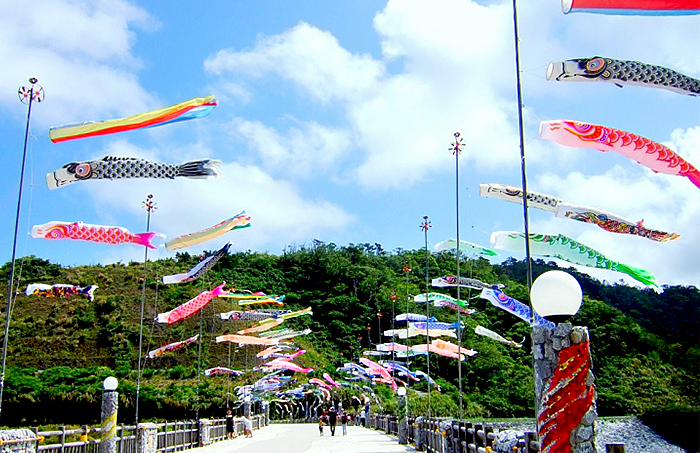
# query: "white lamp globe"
401,391
556,293
110,384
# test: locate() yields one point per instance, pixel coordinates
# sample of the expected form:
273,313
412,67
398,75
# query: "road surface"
305,438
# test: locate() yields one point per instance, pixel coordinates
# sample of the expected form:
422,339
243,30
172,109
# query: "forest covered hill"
646,350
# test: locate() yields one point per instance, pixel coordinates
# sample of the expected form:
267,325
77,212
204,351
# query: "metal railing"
436,435
170,436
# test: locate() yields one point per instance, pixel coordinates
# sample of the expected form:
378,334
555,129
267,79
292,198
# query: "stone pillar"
445,427
147,440
110,404
204,436
564,388
419,434
403,422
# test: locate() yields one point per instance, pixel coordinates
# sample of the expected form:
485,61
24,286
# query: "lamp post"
379,327
151,207
110,404
564,382
403,421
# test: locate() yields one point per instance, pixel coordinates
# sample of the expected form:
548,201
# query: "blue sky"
335,119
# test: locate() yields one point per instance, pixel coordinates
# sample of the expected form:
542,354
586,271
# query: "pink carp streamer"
649,153
632,7
320,383
286,365
191,306
380,370
332,381
97,233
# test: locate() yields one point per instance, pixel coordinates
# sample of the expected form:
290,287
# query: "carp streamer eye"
83,171
595,64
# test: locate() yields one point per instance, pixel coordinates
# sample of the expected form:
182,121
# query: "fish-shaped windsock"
632,7
463,282
199,270
114,167
246,339
332,381
464,246
269,324
171,347
61,290
238,221
249,315
622,72
222,371
97,233
660,158
190,307
285,365
513,306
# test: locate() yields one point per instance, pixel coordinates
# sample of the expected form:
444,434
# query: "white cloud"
81,52
301,151
307,56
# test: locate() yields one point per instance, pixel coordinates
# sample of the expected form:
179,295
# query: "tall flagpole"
522,157
150,206
425,226
524,183
456,150
27,96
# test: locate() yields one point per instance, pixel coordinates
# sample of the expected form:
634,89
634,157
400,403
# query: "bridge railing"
170,436
436,435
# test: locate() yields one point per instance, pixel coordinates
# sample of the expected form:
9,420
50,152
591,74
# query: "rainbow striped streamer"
194,108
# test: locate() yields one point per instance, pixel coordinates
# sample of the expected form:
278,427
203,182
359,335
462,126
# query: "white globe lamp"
110,384
556,293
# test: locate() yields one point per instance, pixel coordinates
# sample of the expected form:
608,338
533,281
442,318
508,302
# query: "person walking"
230,434
344,422
322,421
332,419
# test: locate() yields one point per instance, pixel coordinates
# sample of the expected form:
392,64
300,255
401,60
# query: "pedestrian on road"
332,419
229,425
320,426
362,417
344,422
247,426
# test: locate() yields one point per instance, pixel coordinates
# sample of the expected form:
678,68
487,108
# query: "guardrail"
441,435
436,435
170,436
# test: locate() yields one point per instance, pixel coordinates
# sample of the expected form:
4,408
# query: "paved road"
304,438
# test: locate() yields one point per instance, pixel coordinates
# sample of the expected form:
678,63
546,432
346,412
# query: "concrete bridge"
305,438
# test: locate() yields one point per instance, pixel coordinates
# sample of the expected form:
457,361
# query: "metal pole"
26,95
150,206
425,227
456,150
406,270
524,182
522,157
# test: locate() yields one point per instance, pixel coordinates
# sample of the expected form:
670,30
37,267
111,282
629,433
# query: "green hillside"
645,345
